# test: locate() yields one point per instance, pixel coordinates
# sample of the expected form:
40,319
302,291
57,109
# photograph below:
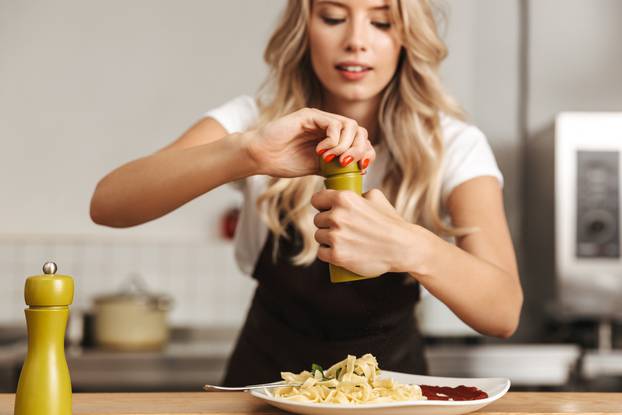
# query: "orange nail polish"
346,161
329,158
321,151
365,163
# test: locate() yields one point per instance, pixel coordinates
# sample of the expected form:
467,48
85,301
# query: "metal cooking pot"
132,319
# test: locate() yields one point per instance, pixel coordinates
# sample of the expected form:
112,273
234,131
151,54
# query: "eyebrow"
338,4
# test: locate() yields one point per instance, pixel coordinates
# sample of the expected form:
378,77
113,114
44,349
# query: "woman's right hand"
289,146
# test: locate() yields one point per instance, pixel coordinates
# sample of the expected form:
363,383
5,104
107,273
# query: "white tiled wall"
202,277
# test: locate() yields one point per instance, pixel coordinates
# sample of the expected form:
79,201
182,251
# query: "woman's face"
354,47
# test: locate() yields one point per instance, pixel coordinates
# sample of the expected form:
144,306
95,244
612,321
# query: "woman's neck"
365,113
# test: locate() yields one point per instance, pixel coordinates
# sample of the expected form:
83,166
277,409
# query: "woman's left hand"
365,234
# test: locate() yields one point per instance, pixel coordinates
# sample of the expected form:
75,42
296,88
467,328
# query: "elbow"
507,331
97,214
101,212
95,209
510,322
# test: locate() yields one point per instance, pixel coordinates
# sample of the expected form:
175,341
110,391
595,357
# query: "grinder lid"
49,289
334,167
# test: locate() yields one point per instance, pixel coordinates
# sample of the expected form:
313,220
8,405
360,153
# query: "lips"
353,71
352,66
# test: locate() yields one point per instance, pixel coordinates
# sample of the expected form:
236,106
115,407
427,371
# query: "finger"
330,255
368,158
358,150
322,236
346,139
324,199
374,195
345,126
324,220
378,199
329,126
324,253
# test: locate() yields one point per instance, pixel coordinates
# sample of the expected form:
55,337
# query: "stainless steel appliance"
573,236
588,175
573,257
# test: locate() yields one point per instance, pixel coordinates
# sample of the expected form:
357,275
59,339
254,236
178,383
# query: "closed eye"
331,21
382,25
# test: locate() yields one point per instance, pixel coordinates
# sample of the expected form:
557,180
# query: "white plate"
494,387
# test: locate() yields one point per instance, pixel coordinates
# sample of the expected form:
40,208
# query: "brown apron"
298,317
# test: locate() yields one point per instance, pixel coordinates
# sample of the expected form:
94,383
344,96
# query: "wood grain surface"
214,403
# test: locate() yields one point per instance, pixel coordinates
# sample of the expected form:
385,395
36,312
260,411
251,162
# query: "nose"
356,37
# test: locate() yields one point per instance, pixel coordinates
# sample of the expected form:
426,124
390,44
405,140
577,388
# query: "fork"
279,384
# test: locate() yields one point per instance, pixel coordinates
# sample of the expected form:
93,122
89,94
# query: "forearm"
483,295
150,187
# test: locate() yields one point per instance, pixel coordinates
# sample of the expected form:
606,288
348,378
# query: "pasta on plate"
350,381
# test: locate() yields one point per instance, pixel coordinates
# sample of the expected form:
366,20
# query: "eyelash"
333,22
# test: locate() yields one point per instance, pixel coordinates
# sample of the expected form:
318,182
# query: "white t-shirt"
467,155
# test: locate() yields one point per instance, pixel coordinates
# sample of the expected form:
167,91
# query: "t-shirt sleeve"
467,155
236,115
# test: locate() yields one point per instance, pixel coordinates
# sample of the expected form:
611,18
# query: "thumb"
378,199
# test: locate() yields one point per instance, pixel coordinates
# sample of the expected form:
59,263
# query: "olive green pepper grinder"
342,178
44,386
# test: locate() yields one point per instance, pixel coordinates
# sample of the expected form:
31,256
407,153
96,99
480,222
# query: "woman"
356,81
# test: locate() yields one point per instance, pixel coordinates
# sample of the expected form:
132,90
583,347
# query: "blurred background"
87,85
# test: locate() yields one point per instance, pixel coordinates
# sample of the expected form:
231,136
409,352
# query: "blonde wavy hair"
408,119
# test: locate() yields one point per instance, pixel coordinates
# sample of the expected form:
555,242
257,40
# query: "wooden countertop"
216,403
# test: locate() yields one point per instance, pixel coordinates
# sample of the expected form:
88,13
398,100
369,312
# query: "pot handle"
163,302
134,284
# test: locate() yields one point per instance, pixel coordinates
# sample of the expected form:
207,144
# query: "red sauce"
459,393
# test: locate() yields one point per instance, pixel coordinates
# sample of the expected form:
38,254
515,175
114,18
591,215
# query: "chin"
354,92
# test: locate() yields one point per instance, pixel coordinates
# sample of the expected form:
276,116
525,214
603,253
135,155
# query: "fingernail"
329,158
365,163
321,151
346,161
